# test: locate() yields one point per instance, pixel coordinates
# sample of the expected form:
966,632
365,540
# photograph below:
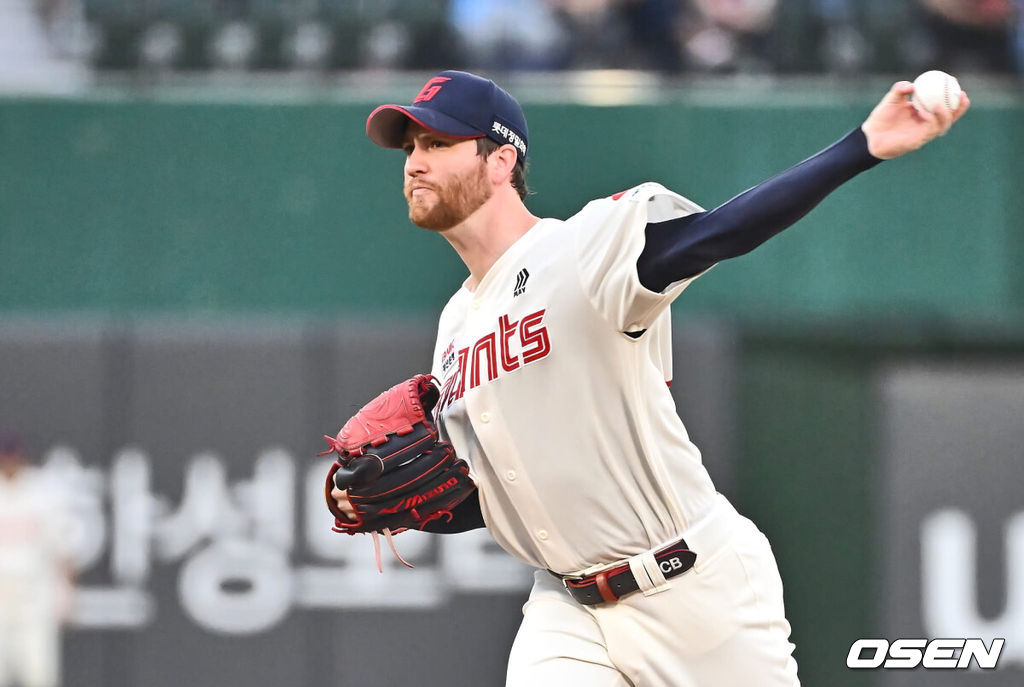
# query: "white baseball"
936,89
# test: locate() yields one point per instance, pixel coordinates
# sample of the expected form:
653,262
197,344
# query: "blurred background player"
35,572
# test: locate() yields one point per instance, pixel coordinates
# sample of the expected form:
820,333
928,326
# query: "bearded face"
449,201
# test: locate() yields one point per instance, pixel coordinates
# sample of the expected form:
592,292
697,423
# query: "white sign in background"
951,511
241,570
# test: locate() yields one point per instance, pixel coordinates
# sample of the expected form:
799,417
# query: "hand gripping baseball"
896,127
397,474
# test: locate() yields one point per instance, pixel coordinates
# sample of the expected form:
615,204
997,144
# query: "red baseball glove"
398,474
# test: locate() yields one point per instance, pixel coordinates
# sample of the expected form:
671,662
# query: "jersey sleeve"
609,237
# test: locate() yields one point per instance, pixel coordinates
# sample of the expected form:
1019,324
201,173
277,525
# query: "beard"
450,202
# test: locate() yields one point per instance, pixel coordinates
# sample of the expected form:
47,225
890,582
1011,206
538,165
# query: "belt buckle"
567,578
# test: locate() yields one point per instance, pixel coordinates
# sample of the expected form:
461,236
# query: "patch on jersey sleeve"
633,192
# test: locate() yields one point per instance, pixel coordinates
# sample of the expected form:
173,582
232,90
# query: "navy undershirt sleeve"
687,246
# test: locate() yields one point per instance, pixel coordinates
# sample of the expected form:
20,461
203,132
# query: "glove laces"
389,536
391,543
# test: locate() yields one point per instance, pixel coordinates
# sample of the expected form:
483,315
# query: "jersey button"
542,535
485,417
475,305
511,475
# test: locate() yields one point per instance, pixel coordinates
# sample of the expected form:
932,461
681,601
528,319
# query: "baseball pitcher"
547,416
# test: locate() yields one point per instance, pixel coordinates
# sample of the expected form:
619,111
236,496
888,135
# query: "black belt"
613,584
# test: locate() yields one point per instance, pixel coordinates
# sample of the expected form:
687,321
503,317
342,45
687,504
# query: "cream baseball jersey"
33,540
554,375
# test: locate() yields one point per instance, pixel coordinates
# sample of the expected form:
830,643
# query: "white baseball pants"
29,641
720,624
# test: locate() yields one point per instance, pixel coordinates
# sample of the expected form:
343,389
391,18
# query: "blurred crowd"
669,36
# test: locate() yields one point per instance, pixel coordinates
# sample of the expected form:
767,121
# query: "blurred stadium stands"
670,36
190,35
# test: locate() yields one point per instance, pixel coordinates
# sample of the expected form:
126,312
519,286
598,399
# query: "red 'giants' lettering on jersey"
507,330
485,346
480,362
536,344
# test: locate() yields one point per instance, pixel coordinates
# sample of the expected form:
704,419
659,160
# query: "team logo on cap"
431,88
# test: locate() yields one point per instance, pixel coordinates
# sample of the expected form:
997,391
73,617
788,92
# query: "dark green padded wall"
136,205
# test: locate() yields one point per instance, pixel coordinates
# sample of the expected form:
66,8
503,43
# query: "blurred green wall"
148,204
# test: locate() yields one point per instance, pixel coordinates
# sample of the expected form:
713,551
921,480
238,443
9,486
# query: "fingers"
938,121
344,505
897,95
943,118
946,118
965,103
899,91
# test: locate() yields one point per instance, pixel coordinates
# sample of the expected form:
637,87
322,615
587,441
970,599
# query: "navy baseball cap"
456,104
